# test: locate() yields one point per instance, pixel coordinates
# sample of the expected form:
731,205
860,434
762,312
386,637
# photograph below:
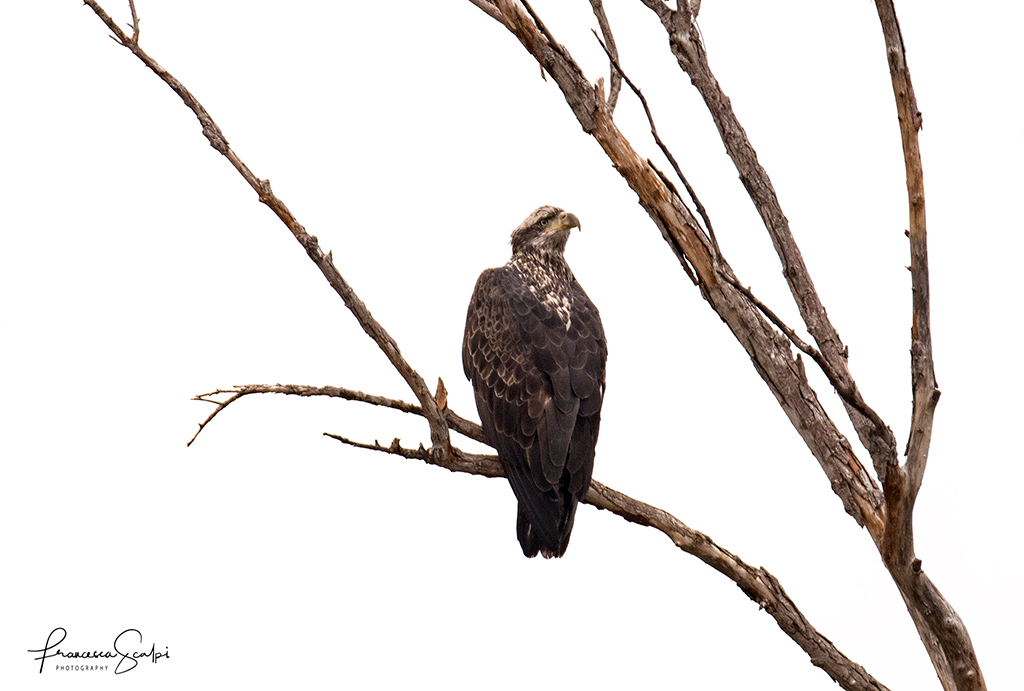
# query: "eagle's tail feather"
546,542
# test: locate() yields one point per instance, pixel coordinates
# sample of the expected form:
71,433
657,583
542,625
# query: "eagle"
535,351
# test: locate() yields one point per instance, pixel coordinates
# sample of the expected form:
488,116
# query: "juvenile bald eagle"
535,351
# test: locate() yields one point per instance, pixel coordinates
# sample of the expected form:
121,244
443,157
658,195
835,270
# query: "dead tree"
882,501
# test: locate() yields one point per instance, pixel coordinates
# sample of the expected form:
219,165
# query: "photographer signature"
128,661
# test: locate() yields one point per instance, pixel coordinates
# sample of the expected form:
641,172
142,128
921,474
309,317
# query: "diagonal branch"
613,57
325,262
688,48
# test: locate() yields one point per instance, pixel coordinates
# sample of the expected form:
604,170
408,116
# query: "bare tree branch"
922,367
455,422
438,428
943,632
220,406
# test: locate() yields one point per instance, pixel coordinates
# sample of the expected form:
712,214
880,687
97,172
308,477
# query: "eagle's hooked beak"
565,221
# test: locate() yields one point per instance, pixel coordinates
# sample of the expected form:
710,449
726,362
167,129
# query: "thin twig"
238,392
457,423
661,145
395,448
680,253
781,325
220,406
851,396
543,29
458,461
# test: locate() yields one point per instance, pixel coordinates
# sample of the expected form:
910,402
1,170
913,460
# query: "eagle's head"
545,231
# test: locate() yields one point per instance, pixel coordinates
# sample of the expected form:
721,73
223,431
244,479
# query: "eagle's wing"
587,372
538,390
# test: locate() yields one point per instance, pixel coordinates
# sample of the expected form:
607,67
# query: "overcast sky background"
137,270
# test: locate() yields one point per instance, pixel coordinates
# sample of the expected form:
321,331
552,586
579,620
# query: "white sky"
137,270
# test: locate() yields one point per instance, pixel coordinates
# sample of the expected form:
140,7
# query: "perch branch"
756,583
438,429
759,585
